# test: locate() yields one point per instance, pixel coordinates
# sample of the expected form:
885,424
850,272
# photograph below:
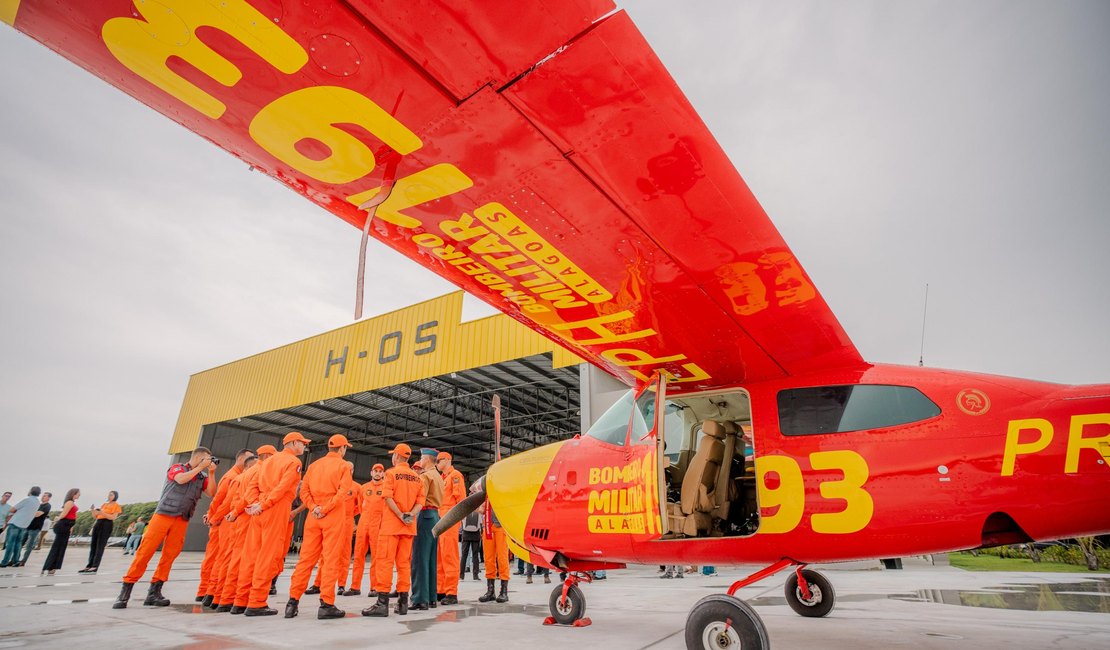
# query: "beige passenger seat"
697,502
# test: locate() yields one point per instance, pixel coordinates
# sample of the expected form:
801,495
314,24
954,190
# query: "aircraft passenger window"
612,426
838,409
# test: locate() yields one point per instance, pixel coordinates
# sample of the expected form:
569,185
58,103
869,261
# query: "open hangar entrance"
432,389
451,413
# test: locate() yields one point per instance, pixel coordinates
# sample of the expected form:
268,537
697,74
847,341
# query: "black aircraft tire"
823,596
572,609
721,622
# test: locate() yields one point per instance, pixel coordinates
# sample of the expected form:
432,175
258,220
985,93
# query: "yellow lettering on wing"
424,186
168,29
499,219
313,113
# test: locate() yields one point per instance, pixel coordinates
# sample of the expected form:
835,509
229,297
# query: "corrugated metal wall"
424,340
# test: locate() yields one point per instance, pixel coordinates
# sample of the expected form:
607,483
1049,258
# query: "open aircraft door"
644,451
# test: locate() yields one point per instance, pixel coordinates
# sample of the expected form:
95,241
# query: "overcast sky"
964,145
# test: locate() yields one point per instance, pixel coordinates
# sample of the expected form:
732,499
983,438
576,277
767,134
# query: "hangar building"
417,375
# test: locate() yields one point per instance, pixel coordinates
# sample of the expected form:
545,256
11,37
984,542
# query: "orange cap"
294,436
377,466
338,440
402,449
266,449
443,455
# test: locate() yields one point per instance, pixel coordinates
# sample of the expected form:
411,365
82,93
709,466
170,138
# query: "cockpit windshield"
612,426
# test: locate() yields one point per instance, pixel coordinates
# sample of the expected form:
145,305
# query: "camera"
215,461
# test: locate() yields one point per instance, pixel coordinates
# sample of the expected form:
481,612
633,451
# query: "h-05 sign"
389,347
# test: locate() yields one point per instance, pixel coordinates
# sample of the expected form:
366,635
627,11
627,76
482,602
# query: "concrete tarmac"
922,606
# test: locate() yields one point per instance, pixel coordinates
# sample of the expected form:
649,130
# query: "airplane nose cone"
514,483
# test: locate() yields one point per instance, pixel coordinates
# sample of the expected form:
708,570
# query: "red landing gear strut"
723,621
567,603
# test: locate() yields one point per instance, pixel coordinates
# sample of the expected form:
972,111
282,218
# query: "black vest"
180,499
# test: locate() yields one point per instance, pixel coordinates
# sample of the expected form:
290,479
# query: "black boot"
273,586
207,600
260,611
488,596
380,608
450,599
313,590
154,596
402,603
503,597
351,592
371,594
291,608
329,610
223,609
237,609
124,596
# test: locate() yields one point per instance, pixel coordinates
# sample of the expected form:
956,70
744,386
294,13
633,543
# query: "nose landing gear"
568,603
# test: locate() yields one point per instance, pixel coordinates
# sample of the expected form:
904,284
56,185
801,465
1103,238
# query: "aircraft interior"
709,466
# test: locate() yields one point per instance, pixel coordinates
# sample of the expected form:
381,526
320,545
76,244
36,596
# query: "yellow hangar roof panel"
424,340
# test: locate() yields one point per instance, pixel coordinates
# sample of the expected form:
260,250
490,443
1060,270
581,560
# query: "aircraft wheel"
566,612
822,596
721,622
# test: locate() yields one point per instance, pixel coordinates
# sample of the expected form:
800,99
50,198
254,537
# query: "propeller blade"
459,512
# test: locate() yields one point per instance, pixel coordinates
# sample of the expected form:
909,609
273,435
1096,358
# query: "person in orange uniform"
240,522
326,494
250,540
352,506
496,550
343,559
235,525
185,483
366,535
424,547
279,566
403,494
447,563
216,540
270,503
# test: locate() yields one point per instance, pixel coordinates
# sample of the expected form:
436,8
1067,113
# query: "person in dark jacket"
471,533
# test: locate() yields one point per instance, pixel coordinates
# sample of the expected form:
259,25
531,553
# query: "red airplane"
539,156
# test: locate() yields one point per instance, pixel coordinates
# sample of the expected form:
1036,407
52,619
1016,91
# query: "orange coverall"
366,536
216,542
326,485
404,486
250,536
228,584
447,564
276,489
496,549
343,560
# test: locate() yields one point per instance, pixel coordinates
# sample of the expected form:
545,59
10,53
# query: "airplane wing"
537,155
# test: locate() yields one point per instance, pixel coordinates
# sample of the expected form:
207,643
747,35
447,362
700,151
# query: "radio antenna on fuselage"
925,313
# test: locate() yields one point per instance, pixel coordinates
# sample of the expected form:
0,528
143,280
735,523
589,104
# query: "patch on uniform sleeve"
455,480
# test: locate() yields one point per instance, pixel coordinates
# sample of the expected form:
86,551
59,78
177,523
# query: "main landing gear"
723,621
568,603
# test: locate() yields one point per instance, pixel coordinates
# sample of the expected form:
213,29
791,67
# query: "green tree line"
131,512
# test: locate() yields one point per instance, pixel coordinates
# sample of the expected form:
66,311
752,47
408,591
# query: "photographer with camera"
185,482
